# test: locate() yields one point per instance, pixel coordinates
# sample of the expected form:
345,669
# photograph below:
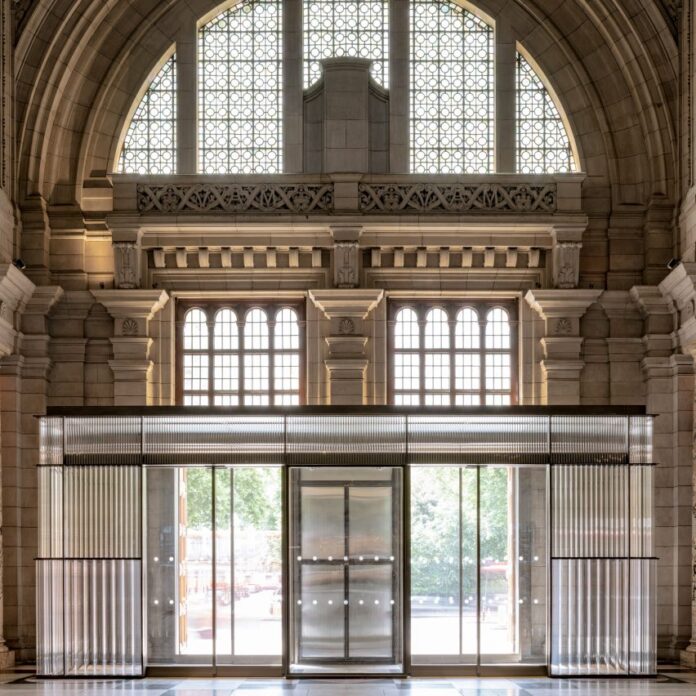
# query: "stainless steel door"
346,567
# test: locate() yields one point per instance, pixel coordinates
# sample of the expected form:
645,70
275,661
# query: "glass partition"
530,541
478,565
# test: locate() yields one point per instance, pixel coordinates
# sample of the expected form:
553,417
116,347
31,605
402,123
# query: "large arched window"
253,358
240,90
357,28
543,145
149,146
453,354
452,89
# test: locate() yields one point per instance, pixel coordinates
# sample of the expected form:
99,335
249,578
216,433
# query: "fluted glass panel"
477,440
590,615
49,618
643,627
590,510
641,437
346,441
102,511
50,512
210,440
51,438
103,624
103,440
642,506
589,439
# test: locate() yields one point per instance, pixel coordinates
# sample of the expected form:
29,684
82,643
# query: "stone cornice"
349,303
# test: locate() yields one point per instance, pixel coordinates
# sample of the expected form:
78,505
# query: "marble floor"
671,681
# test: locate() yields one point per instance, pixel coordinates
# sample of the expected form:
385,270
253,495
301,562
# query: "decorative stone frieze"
457,198
235,198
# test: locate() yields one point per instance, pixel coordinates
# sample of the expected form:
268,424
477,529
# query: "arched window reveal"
543,146
452,354
357,28
240,90
150,143
255,356
452,90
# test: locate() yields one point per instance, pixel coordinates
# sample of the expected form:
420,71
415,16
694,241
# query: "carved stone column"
132,311
127,253
561,311
346,361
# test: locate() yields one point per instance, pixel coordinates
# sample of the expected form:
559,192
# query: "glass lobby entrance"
310,543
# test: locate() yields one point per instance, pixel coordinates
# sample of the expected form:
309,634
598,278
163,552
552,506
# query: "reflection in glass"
478,569
248,564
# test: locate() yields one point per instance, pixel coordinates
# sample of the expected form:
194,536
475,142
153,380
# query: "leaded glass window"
240,90
543,146
150,143
357,28
240,355
453,354
452,90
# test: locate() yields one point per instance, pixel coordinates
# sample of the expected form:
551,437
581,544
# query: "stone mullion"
293,98
399,76
186,93
505,97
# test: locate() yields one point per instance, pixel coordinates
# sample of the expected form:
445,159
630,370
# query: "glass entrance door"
345,560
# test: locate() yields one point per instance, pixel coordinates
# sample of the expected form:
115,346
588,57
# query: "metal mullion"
421,362
452,323
482,353
271,324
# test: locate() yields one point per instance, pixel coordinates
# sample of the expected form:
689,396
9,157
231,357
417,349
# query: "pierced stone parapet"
235,198
458,198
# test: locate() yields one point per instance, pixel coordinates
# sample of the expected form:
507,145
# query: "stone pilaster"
132,312
346,359
561,311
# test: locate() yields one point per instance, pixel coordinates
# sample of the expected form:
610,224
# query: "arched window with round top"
256,359
452,354
240,355
226,359
196,358
406,358
498,365
437,358
286,359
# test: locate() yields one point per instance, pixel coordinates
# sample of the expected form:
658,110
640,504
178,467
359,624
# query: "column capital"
346,303
133,304
562,310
